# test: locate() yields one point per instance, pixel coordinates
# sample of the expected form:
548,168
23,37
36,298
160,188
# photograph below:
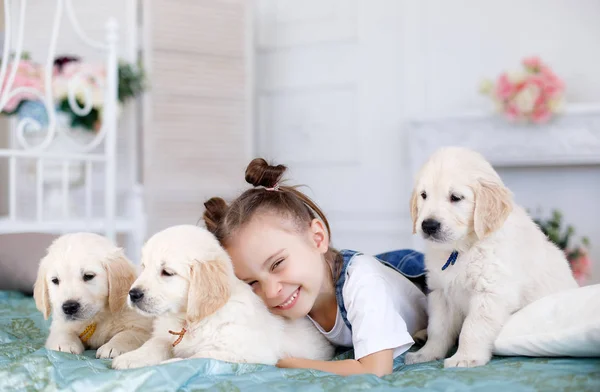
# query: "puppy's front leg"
123,342
487,313
64,341
153,352
442,330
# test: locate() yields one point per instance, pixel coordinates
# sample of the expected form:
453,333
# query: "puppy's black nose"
70,307
136,295
430,226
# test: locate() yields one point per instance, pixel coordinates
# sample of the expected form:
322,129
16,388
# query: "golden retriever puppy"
203,311
84,280
484,255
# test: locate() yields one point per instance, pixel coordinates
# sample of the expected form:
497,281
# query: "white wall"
336,81
329,89
457,43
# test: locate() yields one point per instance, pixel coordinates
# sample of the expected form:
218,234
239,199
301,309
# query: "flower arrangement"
533,94
89,77
577,255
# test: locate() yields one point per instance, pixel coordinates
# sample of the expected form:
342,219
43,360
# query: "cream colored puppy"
485,257
204,311
83,280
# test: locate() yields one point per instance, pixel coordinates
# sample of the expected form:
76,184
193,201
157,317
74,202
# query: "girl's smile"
290,301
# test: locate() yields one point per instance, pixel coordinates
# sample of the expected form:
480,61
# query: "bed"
26,365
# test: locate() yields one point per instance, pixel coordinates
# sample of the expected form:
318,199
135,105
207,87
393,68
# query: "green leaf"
585,241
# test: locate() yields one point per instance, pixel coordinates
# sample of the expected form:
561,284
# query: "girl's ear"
319,235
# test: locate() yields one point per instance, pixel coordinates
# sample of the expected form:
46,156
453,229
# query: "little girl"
279,242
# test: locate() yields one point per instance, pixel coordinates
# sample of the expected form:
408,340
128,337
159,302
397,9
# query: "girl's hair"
268,195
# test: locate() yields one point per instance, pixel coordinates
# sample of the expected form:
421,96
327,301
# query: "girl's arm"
379,364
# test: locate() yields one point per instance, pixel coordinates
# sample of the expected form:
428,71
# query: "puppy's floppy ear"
493,204
40,291
209,288
121,276
414,212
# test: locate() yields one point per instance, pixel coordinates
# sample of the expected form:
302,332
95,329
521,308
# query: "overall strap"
347,256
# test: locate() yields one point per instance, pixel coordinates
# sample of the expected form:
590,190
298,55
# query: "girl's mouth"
290,302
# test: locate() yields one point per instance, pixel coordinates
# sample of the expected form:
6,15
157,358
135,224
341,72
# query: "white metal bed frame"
102,150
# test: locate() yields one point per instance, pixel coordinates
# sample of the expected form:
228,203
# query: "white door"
329,77
198,139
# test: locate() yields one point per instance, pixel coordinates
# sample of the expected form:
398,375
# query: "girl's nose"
272,287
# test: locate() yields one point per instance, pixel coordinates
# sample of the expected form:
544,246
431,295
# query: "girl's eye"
254,282
276,264
166,273
88,277
55,281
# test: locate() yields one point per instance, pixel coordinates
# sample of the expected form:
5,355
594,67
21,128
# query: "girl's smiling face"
284,265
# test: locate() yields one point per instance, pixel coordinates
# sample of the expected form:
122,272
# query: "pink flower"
553,85
511,111
541,114
28,75
533,64
581,268
533,94
504,87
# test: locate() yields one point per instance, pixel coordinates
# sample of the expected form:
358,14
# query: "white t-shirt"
384,308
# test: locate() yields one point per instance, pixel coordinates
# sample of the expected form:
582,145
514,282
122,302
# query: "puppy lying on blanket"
84,280
204,311
485,257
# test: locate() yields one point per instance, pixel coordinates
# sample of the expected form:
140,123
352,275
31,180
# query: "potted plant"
576,254
87,81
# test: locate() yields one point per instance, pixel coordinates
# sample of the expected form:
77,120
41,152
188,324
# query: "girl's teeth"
289,301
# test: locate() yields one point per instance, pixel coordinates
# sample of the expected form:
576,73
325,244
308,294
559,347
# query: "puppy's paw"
461,360
113,349
421,356
134,359
73,346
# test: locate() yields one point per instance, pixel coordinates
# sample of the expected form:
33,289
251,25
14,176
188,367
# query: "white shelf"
570,139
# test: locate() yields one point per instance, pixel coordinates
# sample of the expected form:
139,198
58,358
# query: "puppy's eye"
424,195
88,277
55,281
167,273
455,198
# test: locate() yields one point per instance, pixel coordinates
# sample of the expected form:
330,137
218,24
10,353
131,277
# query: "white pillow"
565,324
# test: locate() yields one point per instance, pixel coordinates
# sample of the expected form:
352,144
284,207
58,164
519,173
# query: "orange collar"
88,332
180,334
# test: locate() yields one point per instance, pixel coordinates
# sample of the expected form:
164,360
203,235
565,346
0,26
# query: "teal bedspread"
26,365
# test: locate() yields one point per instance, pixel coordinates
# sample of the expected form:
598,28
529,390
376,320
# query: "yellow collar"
87,333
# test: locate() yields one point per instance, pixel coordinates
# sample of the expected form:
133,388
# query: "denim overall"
408,262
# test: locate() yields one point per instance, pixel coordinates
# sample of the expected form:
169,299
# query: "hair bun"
214,213
260,173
